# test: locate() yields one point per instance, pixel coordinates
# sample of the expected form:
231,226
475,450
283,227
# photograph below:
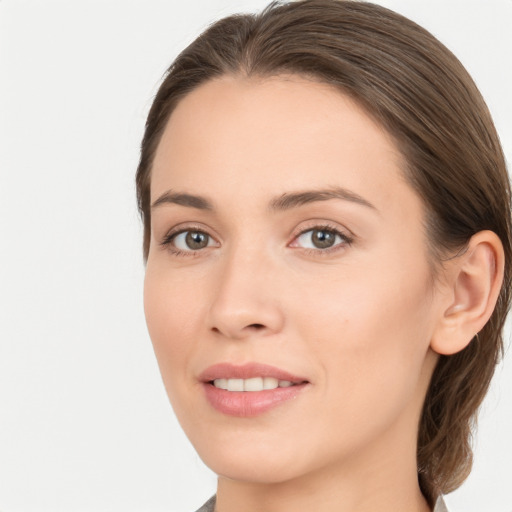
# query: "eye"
189,241
321,238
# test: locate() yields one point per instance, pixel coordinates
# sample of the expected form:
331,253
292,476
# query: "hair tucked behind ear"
417,90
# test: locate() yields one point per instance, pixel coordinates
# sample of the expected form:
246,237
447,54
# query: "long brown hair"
422,95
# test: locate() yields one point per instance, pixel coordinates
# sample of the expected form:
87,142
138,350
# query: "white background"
84,421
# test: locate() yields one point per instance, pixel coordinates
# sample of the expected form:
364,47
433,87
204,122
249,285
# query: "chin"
257,469
247,458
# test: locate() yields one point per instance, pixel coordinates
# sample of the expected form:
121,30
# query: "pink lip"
248,403
247,371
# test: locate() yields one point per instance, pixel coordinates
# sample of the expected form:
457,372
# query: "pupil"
196,240
323,239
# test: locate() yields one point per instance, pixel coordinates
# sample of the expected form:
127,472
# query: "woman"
327,235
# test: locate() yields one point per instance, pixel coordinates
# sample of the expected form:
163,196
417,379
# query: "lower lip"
247,404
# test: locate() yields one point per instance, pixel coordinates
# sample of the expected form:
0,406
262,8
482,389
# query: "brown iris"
322,238
196,240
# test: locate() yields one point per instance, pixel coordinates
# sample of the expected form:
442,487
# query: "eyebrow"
190,200
284,202
296,199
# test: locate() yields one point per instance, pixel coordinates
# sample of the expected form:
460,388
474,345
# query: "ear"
472,284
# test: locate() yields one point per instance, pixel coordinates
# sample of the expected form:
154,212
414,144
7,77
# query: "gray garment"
209,506
440,505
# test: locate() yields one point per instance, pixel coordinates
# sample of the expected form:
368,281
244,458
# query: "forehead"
268,136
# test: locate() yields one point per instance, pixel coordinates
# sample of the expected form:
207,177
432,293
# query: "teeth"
235,384
270,383
221,383
253,384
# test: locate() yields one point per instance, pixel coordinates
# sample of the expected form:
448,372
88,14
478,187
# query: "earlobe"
474,281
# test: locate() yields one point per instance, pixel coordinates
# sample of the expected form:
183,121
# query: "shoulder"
209,506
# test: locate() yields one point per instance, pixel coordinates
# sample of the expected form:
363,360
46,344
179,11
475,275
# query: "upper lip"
247,371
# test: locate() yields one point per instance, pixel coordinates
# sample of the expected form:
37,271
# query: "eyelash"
347,240
169,238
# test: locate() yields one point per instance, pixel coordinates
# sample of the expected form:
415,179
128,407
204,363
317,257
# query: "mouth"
251,389
253,384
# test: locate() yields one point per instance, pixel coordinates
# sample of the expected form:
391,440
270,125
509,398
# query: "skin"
356,320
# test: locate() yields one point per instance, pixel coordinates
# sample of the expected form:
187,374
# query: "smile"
250,389
253,384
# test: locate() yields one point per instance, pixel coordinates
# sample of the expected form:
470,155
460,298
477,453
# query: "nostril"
247,329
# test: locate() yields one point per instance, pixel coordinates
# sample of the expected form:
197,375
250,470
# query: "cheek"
172,313
371,337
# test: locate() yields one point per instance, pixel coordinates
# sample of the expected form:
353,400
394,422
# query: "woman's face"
287,246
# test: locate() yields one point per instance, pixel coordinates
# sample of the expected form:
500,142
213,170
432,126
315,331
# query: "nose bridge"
245,301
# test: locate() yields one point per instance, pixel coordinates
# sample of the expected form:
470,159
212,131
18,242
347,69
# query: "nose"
246,301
